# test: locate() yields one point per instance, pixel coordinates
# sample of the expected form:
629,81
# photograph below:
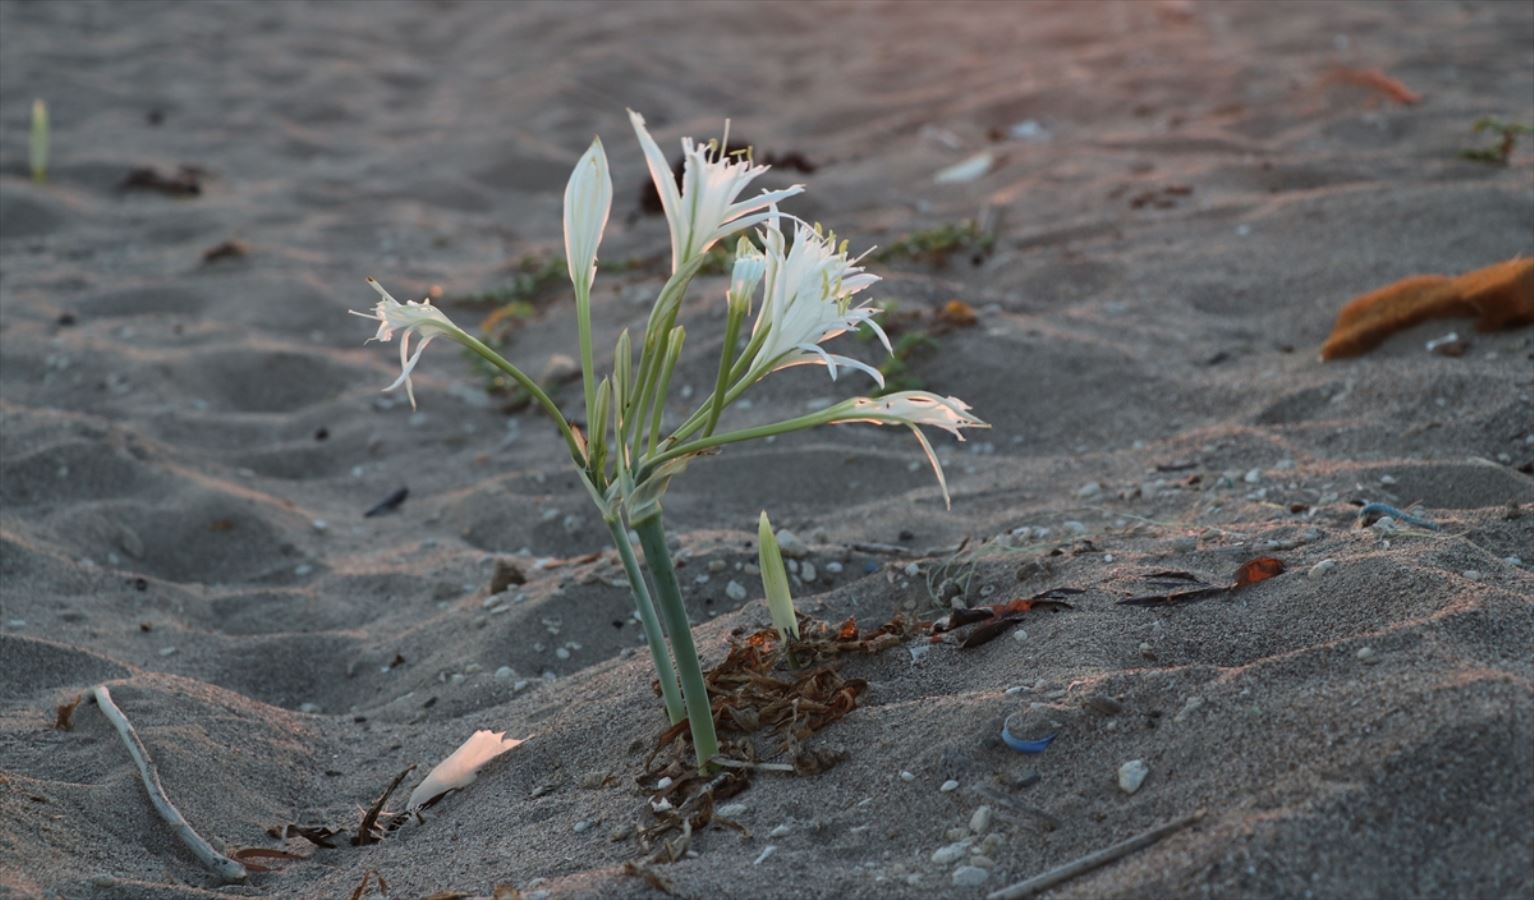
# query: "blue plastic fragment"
1022,746
870,567
1385,509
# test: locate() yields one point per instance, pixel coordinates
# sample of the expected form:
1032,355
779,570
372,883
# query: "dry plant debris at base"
752,697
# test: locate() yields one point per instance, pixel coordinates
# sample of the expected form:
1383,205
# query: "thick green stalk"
651,625
700,714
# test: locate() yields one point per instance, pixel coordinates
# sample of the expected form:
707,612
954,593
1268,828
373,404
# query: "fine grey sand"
1194,201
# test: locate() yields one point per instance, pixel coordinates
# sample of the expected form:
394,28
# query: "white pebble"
320,524
1321,568
1471,575
780,831
1132,775
980,820
505,673
1089,490
1019,635
949,786
1366,655
310,708
912,570
807,570
732,810
766,852
735,590
951,853
1252,476
167,651
907,776
562,653
970,876
834,567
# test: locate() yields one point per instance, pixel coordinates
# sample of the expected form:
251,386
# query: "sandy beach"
1176,199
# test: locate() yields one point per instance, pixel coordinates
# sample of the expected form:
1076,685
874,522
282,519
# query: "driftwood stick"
218,863
1047,880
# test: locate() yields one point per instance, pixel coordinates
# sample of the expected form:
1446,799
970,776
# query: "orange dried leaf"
1500,296
1260,569
848,630
958,314
1376,80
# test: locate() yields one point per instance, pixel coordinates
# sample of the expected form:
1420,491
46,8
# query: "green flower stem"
651,361
673,353
588,367
740,377
745,434
529,385
731,332
700,715
650,624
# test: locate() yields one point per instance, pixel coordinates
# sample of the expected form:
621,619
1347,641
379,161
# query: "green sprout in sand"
804,292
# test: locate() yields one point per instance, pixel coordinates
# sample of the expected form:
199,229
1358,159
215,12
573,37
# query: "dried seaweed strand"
221,865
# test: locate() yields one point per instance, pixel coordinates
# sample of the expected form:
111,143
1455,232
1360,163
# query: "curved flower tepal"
411,318
706,208
807,300
588,202
912,408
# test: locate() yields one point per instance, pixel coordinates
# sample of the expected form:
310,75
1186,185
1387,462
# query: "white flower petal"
461,767
409,318
588,203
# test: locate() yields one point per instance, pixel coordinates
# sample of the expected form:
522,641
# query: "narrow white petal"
937,467
461,767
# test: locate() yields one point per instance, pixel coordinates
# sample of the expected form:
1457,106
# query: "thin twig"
1087,863
218,863
743,764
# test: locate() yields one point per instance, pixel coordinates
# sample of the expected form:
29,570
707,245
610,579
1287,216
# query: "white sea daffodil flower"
707,207
409,318
912,409
807,300
588,203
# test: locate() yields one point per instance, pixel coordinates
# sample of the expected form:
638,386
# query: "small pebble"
970,876
807,570
505,673
1252,476
457,679
310,708
561,653
167,651
735,590
780,831
952,853
907,776
716,566
1366,655
1019,635
980,820
834,567
619,832
1321,568
1089,490
1471,575
582,827
791,545
320,524
766,852
1132,775
949,786
912,570
732,810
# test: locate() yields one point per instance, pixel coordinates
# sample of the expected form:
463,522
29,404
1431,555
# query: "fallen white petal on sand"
460,769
